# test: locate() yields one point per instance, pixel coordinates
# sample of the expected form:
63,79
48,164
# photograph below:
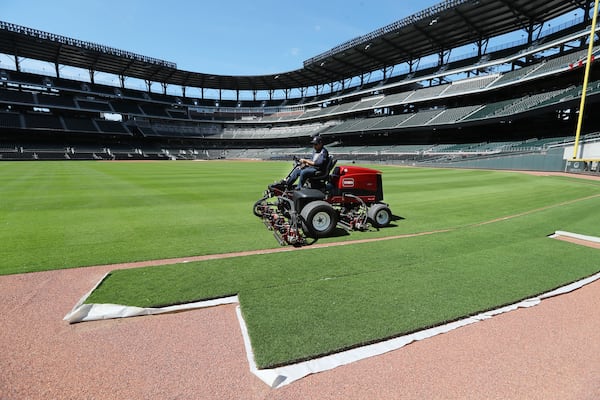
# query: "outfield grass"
69,214
316,301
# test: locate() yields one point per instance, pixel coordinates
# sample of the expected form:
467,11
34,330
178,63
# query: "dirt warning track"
551,351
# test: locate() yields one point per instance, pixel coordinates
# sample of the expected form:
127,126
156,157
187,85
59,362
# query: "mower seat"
320,180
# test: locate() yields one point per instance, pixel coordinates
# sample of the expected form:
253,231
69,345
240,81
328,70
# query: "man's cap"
316,140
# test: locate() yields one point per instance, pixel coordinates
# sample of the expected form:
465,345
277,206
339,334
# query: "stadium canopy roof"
435,30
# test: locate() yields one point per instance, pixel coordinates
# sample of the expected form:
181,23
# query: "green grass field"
316,301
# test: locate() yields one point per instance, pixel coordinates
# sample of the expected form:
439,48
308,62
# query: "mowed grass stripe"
70,214
75,214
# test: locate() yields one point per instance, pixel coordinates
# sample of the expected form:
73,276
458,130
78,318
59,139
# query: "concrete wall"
587,151
552,160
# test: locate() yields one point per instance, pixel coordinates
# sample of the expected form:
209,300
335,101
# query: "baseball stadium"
442,241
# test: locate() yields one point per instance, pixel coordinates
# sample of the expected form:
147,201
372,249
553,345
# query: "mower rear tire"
380,215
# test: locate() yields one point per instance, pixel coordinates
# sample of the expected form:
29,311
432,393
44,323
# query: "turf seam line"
207,257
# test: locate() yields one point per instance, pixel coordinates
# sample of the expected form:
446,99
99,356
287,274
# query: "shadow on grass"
391,224
341,232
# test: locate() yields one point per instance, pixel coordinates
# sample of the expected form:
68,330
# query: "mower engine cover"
359,181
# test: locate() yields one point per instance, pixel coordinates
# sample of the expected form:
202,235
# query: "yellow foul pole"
586,77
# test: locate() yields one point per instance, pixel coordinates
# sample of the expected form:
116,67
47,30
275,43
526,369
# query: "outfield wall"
552,160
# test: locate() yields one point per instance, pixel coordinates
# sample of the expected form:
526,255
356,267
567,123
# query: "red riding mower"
346,196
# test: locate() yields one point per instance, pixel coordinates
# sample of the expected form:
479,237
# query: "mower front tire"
256,208
319,219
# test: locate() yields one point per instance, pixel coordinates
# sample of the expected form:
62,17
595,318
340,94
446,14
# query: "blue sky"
251,37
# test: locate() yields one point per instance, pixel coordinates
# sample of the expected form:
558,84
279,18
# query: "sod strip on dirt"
297,309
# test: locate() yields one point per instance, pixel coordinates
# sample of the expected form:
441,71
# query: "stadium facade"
428,89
